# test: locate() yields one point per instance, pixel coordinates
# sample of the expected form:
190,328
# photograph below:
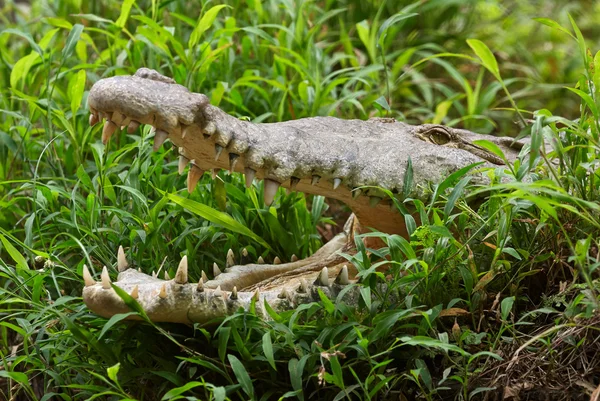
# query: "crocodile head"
348,160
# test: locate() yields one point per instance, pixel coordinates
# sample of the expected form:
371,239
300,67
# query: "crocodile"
356,162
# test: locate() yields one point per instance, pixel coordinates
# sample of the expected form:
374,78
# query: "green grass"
493,276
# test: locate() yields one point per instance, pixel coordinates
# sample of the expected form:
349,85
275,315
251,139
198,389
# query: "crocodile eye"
439,137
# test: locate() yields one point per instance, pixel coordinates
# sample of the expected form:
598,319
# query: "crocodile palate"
348,160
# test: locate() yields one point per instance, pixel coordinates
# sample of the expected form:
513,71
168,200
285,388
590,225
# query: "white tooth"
204,276
233,159
167,277
105,278
159,138
303,286
183,162
181,277
323,277
93,119
230,258
294,182
245,252
200,286
294,258
256,295
117,118
132,127
234,294
315,179
356,193
260,261
276,261
217,292
108,130
216,270
250,174
271,188
154,274
121,260
163,291
139,269
336,183
193,177
87,277
218,151
283,294
210,128
135,292
342,277
184,131
214,173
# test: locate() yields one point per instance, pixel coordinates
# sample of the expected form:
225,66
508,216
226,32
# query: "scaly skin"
321,155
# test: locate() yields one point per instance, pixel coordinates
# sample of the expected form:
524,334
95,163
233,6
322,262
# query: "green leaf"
205,22
486,56
553,24
180,390
492,147
76,88
14,254
241,375
506,307
113,371
327,304
267,346
26,36
217,217
114,320
72,40
125,10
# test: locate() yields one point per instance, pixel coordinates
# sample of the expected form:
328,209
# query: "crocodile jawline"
348,160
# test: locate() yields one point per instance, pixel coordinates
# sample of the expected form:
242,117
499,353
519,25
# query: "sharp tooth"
217,292
87,277
315,179
303,286
210,129
234,294
356,193
105,278
294,182
214,173
294,258
323,278
230,259
374,200
181,277
250,174
159,138
183,162
167,277
233,159
336,183
135,294
193,177
139,269
117,118
93,119
184,131
260,261
204,276
132,127
276,261
107,131
218,151
154,274
245,252
121,260
283,294
200,286
271,188
163,291
216,270
256,295
125,122
342,277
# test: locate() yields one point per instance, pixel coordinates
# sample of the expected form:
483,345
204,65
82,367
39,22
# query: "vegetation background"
508,307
